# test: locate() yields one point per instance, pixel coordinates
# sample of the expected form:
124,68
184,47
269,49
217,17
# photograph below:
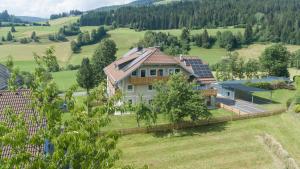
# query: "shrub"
297,108
289,102
72,67
262,85
25,40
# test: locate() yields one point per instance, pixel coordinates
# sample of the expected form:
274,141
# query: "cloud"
44,8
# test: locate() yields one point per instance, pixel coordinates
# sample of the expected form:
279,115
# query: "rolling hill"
31,19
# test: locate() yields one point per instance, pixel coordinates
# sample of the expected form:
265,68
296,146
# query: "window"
171,71
130,88
150,87
160,72
143,73
134,73
153,72
130,102
177,70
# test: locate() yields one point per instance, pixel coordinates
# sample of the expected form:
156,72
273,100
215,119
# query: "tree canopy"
177,99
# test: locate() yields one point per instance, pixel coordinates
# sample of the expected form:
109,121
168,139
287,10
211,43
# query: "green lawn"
65,79
279,97
210,56
232,145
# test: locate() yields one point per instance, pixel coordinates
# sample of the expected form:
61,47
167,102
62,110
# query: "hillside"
137,3
31,19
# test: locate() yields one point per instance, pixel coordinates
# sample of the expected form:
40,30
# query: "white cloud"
43,8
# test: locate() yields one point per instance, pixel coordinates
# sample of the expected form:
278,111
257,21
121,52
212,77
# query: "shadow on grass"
211,128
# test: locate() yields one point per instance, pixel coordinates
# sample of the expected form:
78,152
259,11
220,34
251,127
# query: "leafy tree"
177,99
248,35
13,29
76,142
49,59
9,36
74,47
34,37
103,56
252,67
85,75
274,60
144,113
9,63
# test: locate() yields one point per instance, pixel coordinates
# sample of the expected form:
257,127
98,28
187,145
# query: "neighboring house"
19,102
4,77
135,73
237,89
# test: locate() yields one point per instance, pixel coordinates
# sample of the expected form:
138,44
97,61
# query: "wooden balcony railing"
147,80
209,92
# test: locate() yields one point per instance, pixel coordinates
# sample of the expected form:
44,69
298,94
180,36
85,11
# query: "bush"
72,67
289,102
261,85
297,108
25,40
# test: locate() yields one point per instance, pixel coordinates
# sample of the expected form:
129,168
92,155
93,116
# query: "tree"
252,68
34,37
248,35
177,99
75,47
103,56
274,60
9,36
75,143
185,35
144,113
205,40
85,75
9,63
13,29
49,59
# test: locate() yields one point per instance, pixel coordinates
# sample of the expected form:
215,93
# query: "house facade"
135,73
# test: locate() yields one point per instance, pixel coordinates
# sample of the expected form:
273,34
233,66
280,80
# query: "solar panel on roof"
199,68
137,60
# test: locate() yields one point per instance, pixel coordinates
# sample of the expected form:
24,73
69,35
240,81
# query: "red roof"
19,102
131,61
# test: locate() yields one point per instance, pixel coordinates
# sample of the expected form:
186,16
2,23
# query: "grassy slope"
231,145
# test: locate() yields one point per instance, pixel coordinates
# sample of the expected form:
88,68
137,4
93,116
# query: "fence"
186,125
230,108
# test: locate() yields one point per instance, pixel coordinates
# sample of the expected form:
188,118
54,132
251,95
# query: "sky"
44,8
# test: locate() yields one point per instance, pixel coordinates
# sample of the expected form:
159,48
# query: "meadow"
231,145
125,39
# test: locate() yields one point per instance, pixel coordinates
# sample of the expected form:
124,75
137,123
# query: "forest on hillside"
272,20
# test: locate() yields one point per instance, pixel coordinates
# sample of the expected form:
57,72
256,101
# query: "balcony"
209,92
147,80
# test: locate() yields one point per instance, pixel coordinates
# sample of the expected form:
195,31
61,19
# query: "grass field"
255,50
232,145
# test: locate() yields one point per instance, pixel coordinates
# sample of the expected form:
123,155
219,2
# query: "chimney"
181,58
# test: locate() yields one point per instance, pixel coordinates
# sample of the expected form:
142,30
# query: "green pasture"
231,145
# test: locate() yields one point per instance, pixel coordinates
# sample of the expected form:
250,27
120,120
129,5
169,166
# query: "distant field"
232,145
65,79
255,50
22,52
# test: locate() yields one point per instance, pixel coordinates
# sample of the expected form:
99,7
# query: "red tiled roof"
19,102
147,56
